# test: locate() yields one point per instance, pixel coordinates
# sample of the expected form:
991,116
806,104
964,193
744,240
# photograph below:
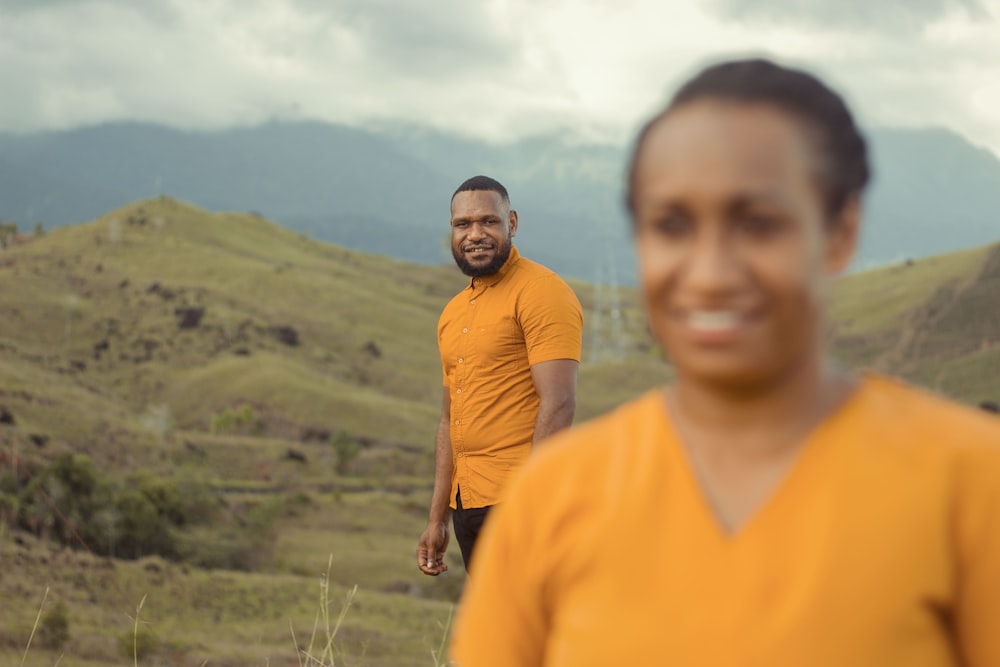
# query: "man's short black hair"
483,183
990,406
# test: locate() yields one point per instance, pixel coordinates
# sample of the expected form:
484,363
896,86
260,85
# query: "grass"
328,636
93,360
934,323
34,627
879,300
217,618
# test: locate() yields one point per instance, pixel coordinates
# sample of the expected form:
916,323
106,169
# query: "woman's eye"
672,225
759,225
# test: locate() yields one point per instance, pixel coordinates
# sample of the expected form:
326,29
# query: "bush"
8,509
68,501
145,516
139,643
180,504
62,499
238,420
244,543
142,530
346,449
53,627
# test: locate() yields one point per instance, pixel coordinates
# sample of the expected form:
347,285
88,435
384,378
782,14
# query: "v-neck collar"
798,473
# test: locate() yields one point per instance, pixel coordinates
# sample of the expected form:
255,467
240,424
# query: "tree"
8,230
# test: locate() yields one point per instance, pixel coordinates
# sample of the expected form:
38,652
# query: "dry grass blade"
440,656
34,627
326,658
135,632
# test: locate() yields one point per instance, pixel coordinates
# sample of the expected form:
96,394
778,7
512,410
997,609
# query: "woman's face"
735,254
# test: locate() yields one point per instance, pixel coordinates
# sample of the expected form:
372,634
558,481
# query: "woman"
765,510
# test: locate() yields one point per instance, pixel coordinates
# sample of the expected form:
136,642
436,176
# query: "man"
510,348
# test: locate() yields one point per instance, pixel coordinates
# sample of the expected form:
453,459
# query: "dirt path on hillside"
923,319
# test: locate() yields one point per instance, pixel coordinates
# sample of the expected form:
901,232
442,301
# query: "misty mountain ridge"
387,190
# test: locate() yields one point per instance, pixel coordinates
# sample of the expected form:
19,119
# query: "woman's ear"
842,236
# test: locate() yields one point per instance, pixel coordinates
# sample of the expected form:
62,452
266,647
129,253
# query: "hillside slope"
935,322
161,339
385,190
162,315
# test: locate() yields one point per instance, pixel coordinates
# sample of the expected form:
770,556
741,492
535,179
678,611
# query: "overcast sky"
495,69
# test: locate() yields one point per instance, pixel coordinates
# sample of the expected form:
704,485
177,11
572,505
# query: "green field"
296,385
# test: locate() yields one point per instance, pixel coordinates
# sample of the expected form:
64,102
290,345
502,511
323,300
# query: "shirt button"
458,391
461,360
473,302
461,453
458,421
465,330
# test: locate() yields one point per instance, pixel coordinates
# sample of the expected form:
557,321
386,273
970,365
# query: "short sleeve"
977,521
500,621
551,320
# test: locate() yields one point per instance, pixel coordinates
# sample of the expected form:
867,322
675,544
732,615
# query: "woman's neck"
766,418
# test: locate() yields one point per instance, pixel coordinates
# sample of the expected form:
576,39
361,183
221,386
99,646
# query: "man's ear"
513,222
842,237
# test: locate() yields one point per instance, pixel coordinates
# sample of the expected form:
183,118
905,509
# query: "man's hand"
431,548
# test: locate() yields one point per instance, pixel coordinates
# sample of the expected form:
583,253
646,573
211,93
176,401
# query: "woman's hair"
824,113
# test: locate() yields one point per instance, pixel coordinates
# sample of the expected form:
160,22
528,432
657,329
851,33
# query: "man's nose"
476,232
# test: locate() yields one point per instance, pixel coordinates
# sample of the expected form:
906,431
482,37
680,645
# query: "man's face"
482,226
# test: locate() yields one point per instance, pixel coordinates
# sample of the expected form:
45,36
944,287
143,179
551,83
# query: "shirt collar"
489,281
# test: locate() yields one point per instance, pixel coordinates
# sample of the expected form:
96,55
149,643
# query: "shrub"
346,449
68,501
53,627
144,516
62,499
246,542
139,643
238,420
142,530
179,503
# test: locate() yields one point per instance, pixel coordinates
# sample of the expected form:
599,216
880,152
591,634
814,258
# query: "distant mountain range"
387,190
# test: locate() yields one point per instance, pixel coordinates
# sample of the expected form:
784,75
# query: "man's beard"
478,271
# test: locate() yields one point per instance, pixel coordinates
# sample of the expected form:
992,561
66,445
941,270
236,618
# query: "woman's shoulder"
594,445
575,479
896,405
912,421
637,414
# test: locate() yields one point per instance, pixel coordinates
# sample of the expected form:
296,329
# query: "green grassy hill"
313,337
224,351
935,322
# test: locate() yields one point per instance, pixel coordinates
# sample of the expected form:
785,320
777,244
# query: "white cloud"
496,69
889,17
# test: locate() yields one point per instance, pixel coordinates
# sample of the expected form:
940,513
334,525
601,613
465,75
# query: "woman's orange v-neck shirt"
880,548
